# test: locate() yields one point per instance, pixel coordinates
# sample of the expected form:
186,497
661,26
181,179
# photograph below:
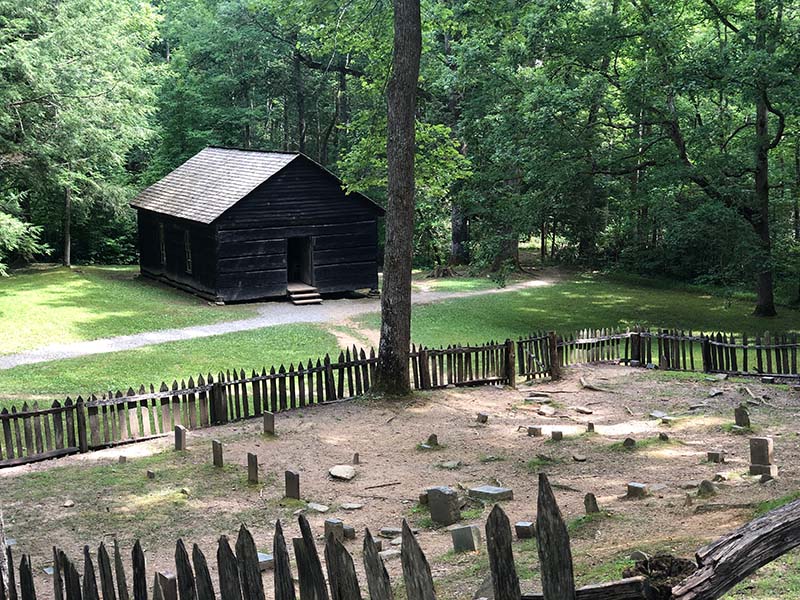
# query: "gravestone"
356,459
180,438
269,423
491,493
168,583
151,474
761,457
706,489
767,379
466,538
349,532
535,431
742,416
252,468
716,456
265,561
629,443
482,418
590,504
637,490
123,459
216,452
590,427
423,498
433,440
525,530
292,484
557,436
444,505
335,527
663,436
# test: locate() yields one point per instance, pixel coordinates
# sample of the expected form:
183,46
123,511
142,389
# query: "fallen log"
737,555
634,588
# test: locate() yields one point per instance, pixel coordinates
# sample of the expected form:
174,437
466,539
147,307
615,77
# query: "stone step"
306,301
304,295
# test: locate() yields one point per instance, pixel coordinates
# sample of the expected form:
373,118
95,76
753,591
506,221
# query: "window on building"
161,244
187,250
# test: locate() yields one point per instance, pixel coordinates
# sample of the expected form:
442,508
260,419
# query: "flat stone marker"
491,493
216,453
292,484
741,416
351,506
252,468
761,457
637,490
482,418
590,504
444,505
349,532
657,414
767,379
10,542
265,561
48,571
335,527
580,458
716,456
390,532
343,472
525,530
180,438
582,410
269,423
320,508
535,431
466,538
389,554
557,436
629,443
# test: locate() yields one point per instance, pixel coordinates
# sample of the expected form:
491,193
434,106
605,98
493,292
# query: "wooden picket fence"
720,566
34,434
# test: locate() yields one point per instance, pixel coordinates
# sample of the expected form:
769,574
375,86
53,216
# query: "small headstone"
423,498
491,493
557,436
349,532
168,583
535,431
344,472
637,490
742,416
180,438
663,436
579,458
269,423
466,538
525,530
48,571
716,456
433,440
186,492
444,505
252,468
761,457
389,554
629,443
68,503
590,504
216,453
720,476
265,561
320,508
590,427
151,474
706,489
335,527
123,459
482,418
390,532
356,459
546,411
767,379
292,484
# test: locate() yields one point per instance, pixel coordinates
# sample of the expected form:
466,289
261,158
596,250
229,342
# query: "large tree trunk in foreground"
392,375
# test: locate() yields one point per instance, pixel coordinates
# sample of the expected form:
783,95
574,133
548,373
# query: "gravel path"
269,314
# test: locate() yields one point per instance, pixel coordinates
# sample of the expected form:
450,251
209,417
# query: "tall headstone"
336,528
444,505
761,457
293,484
216,453
252,468
168,583
742,416
269,423
590,504
180,438
466,538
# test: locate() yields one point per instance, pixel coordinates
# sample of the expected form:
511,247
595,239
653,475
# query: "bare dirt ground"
190,499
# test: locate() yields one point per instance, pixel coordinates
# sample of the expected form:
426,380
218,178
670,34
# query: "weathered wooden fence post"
705,348
501,557
555,555
330,387
636,348
511,365
219,408
423,360
555,358
80,411
416,570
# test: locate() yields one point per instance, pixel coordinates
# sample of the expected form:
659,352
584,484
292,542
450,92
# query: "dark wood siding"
300,201
202,278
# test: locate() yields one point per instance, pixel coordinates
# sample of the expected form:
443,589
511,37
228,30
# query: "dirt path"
269,315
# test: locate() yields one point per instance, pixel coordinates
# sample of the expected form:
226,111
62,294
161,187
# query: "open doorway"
298,260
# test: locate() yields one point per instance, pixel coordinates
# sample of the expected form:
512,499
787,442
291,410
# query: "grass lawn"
164,362
44,306
586,301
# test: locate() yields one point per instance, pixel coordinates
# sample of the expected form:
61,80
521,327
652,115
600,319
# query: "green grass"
164,362
769,505
40,307
587,301
640,444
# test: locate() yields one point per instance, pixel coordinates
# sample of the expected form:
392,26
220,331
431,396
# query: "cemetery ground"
91,498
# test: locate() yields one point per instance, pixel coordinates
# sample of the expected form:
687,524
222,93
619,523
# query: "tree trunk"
509,250
392,373
459,225
543,240
765,304
300,97
796,211
68,227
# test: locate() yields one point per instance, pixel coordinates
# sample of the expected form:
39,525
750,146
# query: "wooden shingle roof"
211,182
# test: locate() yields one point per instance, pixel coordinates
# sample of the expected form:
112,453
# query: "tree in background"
392,373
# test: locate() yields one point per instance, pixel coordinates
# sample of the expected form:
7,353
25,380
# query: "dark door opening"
298,260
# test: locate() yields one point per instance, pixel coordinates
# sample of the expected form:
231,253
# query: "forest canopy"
655,137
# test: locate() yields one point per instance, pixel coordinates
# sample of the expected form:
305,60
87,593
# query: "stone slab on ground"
491,493
265,561
525,530
343,472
